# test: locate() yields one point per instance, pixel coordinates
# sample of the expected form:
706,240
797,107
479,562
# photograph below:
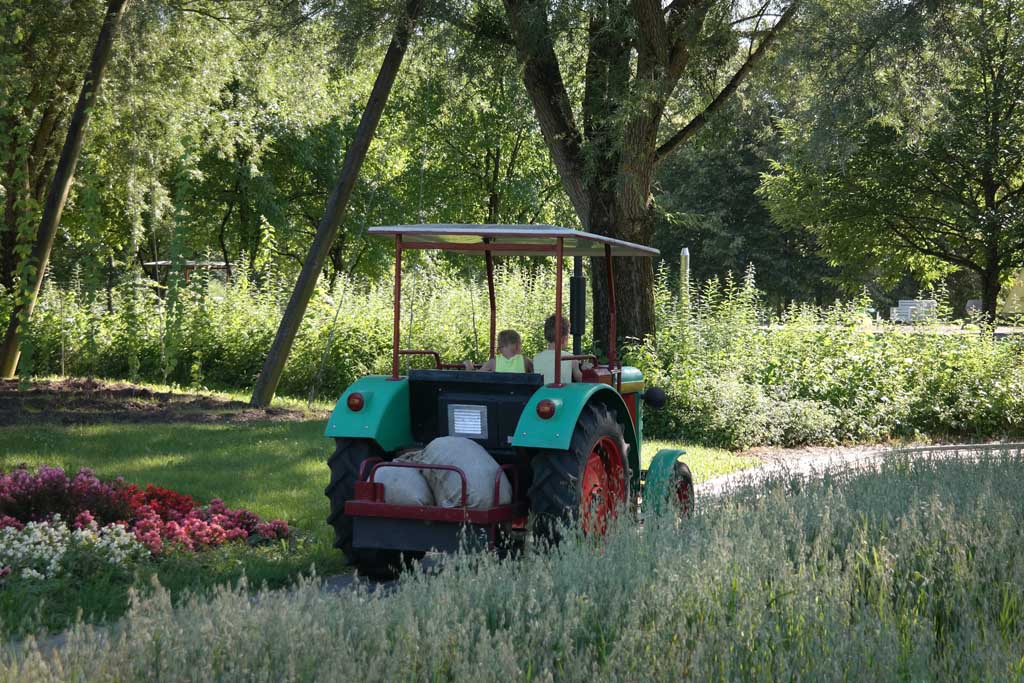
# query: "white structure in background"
914,311
1013,295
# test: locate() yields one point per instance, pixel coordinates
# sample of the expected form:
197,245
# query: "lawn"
275,469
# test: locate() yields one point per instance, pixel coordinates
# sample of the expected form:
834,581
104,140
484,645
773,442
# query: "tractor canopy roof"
512,240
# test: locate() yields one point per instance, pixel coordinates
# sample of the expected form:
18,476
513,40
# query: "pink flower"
84,519
277,528
6,521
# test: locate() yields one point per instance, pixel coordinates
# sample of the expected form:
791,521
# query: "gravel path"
814,461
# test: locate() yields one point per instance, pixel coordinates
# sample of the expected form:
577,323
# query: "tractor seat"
483,406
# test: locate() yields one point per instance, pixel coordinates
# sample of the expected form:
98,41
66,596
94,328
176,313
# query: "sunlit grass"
705,463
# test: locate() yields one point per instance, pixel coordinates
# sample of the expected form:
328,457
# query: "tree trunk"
61,186
990,288
269,377
634,291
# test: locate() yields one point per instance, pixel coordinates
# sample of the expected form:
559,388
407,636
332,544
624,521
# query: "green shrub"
219,335
914,572
738,376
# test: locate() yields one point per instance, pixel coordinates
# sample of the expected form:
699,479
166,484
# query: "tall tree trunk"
266,383
61,185
990,288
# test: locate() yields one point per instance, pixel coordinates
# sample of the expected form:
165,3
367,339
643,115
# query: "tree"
34,269
927,172
44,48
643,67
266,383
707,201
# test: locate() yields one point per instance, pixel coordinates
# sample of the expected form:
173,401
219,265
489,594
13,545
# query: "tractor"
571,450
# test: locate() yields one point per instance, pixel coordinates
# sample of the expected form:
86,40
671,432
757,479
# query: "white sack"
475,461
404,485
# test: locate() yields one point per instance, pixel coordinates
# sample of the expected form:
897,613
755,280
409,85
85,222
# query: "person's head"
509,343
549,329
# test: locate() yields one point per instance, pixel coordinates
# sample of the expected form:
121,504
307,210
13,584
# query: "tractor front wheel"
588,483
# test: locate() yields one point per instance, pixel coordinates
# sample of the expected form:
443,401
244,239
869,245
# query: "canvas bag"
478,465
404,485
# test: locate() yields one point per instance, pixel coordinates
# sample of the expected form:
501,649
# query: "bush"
738,376
217,336
912,572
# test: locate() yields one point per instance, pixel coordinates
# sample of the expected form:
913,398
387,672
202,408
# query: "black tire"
556,491
345,464
349,456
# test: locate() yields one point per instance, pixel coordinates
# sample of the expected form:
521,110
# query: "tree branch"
542,78
690,129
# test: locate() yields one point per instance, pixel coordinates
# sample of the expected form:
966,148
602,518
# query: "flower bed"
110,521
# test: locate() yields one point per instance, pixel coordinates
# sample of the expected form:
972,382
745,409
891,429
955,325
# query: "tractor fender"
532,431
660,481
384,417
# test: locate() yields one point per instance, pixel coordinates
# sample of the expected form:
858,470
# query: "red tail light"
546,409
355,402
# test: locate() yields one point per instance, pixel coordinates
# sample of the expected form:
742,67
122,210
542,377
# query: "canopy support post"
398,306
559,245
490,297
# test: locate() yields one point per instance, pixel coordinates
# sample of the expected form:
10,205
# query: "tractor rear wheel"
589,482
349,456
346,465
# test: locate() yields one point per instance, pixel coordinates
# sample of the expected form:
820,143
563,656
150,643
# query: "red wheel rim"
603,485
684,499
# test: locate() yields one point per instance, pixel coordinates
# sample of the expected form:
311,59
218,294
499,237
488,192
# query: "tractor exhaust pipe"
577,305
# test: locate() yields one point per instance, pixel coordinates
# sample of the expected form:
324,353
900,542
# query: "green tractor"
571,450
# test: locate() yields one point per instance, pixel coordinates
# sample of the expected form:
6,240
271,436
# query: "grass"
705,463
275,469
912,572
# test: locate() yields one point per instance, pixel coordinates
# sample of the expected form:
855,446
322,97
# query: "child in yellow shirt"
510,355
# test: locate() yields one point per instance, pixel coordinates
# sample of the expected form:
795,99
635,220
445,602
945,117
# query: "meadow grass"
275,469
705,463
913,571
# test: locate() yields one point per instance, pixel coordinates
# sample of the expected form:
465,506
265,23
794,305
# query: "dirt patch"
87,401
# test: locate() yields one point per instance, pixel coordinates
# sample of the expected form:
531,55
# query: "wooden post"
266,383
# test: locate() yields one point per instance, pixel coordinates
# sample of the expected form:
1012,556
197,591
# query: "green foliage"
922,168
914,571
708,202
217,335
739,376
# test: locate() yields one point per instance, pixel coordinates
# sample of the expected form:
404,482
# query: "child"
510,355
544,362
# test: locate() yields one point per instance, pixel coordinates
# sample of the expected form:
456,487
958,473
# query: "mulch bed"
88,401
